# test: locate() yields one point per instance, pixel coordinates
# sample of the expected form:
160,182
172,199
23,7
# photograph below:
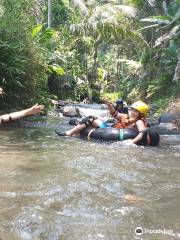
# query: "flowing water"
67,188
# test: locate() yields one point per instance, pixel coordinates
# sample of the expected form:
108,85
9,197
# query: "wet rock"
55,113
170,139
168,118
168,128
61,103
169,123
70,111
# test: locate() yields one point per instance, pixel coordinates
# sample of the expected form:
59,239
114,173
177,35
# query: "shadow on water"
68,188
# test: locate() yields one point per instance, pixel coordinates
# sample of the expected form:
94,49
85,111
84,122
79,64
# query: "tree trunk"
176,78
165,8
94,89
49,13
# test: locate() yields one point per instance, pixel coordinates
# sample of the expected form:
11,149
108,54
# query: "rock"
170,139
168,128
70,111
61,103
174,107
169,123
168,118
54,113
153,107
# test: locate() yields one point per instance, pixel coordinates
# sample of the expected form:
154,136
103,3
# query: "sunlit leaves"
57,69
36,30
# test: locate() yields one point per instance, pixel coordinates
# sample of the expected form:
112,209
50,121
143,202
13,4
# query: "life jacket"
128,122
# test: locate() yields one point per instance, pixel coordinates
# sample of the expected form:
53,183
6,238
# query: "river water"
67,188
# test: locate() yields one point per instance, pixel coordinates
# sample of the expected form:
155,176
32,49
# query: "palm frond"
77,29
109,13
131,63
37,10
81,5
156,20
152,3
175,31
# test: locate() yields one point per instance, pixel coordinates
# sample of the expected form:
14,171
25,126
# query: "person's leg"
83,124
76,130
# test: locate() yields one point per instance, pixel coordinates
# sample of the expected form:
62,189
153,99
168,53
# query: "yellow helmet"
141,107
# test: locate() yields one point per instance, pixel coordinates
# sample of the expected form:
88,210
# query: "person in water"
136,119
20,114
121,106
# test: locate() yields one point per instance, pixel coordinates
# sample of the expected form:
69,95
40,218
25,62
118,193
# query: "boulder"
168,128
169,124
168,118
70,111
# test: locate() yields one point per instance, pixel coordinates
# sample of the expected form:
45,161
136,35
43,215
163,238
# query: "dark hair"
120,101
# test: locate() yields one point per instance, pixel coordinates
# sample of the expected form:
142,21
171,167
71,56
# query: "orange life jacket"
128,122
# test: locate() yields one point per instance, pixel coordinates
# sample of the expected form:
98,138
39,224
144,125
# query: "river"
67,188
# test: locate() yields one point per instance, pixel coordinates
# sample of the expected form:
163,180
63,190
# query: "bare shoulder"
139,121
140,124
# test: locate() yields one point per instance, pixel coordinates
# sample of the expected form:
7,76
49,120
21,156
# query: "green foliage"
91,49
112,96
21,62
57,69
36,30
137,3
81,90
60,12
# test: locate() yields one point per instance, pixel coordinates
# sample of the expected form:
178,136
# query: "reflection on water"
67,188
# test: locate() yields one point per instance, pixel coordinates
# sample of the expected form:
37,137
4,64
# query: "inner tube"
109,134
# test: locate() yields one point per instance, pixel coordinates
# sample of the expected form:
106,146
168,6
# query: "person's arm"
141,127
114,113
23,113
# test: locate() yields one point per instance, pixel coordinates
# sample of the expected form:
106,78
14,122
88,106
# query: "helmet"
141,107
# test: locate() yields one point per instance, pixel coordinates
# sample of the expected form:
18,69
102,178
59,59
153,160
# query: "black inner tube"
109,134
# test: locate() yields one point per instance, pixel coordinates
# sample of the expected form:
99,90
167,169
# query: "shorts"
103,125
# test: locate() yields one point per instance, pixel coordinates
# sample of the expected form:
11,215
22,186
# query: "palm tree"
168,29
110,23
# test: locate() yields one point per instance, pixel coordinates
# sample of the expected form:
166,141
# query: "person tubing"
88,121
141,107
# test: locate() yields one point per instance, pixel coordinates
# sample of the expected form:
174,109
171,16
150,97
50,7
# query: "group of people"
125,117
133,117
35,109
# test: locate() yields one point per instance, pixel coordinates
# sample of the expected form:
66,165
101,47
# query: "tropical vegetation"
72,49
